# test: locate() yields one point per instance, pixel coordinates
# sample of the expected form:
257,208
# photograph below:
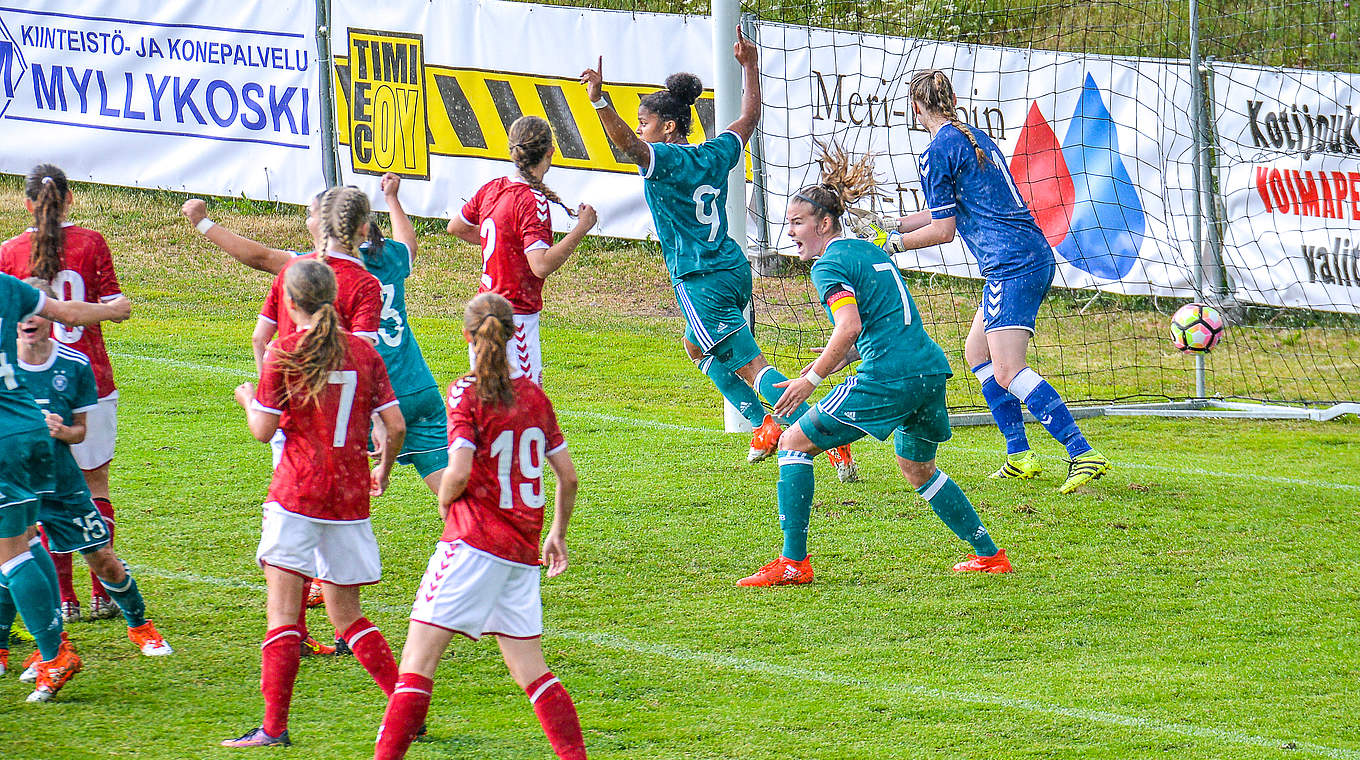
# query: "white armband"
205,224
813,377
601,103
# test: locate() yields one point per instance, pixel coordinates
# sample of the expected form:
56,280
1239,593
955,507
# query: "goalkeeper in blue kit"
899,389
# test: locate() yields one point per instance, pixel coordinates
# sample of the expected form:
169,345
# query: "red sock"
372,651
279,666
105,508
63,563
406,711
555,710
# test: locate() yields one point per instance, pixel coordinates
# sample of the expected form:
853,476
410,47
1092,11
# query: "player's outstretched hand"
796,391
195,210
745,51
390,184
593,79
555,553
121,308
244,393
586,218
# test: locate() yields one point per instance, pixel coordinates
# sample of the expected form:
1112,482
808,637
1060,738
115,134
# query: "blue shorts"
426,445
714,306
1014,302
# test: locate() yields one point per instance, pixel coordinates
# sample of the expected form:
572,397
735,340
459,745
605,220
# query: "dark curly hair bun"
685,87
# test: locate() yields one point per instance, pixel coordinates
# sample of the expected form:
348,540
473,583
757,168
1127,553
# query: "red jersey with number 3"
323,473
86,275
358,297
512,219
501,510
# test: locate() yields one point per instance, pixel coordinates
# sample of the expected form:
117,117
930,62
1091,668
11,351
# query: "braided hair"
306,369
490,321
843,182
343,211
531,138
931,90
674,102
46,187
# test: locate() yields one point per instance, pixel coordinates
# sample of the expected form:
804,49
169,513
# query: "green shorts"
714,306
426,445
911,409
25,476
72,524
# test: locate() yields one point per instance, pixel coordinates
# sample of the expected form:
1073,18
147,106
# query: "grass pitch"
1200,601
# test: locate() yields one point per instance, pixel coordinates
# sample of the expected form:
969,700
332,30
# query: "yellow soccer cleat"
1023,466
1084,468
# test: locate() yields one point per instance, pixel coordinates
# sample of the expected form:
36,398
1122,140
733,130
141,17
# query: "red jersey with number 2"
323,473
358,297
501,510
86,275
512,219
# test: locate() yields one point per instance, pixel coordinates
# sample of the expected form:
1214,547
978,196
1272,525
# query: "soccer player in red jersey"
508,218
78,264
483,576
319,385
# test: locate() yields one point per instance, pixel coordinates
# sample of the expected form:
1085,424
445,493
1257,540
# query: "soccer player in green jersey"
686,189
898,390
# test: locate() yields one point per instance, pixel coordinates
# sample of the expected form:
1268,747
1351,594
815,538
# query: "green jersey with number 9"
18,411
397,345
892,342
686,189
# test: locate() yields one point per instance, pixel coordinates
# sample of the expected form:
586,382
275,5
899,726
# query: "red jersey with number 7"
86,275
501,509
323,473
512,219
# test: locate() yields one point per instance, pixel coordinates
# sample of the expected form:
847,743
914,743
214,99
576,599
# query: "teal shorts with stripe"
426,445
72,524
714,305
25,477
911,409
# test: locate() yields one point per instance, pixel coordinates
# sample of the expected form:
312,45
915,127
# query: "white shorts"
101,428
469,591
524,351
343,553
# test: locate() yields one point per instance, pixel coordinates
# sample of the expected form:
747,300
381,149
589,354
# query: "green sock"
7,613
32,596
765,381
952,507
734,389
128,599
47,566
795,502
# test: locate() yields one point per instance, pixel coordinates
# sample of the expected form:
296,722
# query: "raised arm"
620,134
921,230
252,254
262,423
402,230
464,231
748,55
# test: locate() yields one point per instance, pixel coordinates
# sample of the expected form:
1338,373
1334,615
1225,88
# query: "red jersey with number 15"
358,297
501,510
512,219
323,473
86,275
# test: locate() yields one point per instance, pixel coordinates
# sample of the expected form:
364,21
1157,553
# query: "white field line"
635,422
788,672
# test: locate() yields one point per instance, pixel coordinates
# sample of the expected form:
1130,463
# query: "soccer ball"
1196,328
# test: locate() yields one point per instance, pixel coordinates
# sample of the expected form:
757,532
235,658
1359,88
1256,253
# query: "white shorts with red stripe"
468,591
344,553
525,352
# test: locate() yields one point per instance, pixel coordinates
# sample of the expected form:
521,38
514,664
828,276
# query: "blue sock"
734,389
1048,408
1010,418
795,502
32,596
7,613
128,599
765,381
957,513
47,566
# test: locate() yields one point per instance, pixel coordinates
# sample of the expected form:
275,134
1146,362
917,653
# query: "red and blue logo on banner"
1079,191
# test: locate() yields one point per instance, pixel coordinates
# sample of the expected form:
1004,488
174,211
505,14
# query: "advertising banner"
214,98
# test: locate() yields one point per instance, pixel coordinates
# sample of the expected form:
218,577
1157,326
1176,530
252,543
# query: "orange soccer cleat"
993,564
53,674
146,638
311,646
765,441
781,572
314,597
846,469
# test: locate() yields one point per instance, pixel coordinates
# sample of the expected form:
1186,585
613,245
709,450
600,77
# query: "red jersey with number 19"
358,297
512,219
323,473
86,275
501,509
